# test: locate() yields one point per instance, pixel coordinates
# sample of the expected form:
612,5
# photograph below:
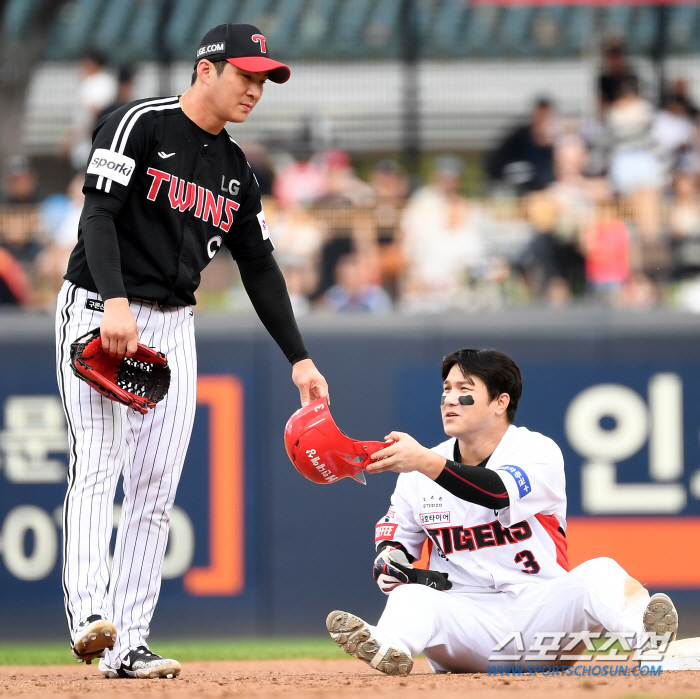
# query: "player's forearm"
476,484
101,244
266,288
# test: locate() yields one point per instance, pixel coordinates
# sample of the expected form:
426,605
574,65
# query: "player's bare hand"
118,329
406,455
309,380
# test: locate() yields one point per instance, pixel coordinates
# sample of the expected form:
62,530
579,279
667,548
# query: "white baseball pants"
107,440
458,631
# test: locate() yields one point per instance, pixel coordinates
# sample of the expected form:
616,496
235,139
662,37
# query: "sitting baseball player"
491,502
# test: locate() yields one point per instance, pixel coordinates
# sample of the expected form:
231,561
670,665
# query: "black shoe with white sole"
140,663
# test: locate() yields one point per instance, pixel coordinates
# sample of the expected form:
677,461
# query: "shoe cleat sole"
354,636
660,616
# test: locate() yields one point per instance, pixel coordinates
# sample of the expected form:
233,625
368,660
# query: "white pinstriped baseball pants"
107,440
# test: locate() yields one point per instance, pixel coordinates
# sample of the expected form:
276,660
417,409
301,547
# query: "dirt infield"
347,679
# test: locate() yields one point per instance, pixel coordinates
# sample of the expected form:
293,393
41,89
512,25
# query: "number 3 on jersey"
532,567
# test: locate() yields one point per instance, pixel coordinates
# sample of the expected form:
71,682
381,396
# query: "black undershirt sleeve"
101,244
476,484
265,286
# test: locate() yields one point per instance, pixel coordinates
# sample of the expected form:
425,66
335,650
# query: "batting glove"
392,568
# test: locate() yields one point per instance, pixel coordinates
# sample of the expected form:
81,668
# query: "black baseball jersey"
185,193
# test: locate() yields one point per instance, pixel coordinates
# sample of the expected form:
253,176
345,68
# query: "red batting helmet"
320,451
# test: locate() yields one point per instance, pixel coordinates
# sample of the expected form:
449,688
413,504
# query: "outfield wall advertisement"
256,549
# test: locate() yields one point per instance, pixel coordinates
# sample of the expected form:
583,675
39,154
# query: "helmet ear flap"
320,451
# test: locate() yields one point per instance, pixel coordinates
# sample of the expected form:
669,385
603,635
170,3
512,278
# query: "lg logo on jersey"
232,188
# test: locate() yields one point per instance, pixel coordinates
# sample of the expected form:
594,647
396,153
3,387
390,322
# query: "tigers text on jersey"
520,544
186,192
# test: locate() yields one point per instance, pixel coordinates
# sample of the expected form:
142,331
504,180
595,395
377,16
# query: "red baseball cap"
245,47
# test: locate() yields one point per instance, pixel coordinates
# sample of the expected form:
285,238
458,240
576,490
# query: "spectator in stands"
20,182
552,266
261,164
606,246
616,73
298,237
15,289
98,89
525,159
299,183
20,231
52,262
676,134
680,92
390,189
125,91
343,207
353,291
684,225
635,168
575,194
444,241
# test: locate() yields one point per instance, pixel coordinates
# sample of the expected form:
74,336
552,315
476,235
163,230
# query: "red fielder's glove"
138,382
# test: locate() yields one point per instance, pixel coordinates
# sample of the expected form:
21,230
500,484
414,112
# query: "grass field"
186,651
316,648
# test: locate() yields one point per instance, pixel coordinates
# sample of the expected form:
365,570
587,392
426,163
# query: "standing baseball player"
165,189
491,502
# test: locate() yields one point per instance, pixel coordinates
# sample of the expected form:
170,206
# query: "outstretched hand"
406,455
309,380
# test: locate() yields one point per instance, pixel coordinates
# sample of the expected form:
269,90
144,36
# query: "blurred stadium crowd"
601,210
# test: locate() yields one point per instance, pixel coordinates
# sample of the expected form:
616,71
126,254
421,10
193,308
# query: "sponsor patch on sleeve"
112,166
385,532
520,478
263,225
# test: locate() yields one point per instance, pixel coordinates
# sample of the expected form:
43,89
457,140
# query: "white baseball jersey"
509,567
499,550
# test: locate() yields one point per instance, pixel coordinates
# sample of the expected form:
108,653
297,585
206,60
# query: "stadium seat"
479,36
112,27
382,30
17,16
683,28
316,27
284,27
141,42
515,31
642,32
72,35
445,37
180,37
616,20
547,31
578,30
348,37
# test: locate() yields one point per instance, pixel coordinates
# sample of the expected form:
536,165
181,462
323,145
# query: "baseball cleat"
354,636
140,663
92,637
660,616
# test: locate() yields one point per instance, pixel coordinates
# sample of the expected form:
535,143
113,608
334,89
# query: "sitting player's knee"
413,595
